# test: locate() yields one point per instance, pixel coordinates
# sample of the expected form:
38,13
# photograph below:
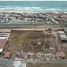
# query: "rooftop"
2,44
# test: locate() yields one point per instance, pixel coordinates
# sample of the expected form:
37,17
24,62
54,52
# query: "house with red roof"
7,55
61,54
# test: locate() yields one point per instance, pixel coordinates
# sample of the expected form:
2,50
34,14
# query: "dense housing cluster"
33,18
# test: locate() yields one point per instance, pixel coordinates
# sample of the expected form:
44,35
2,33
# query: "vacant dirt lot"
34,41
31,40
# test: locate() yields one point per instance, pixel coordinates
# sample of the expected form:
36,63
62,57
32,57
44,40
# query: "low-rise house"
3,42
19,64
61,32
29,19
61,54
62,35
59,18
41,15
4,35
39,20
45,16
7,55
21,55
65,30
54,21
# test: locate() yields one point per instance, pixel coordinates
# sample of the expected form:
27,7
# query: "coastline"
31,10
28,11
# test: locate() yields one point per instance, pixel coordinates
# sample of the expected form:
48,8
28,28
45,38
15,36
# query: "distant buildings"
4,17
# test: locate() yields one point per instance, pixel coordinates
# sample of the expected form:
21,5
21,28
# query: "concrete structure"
62,35
65,30
19,64
3,40
61,32
4,35
2,44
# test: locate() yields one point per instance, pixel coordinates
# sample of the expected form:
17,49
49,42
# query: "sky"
33,0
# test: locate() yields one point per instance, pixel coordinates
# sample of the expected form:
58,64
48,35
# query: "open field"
24,39
28,38
30,41
36,41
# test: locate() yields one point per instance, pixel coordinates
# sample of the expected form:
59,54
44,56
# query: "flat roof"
1,50
63,36
7,54
3,37
61,54
19,64
65,29
2,43
61,32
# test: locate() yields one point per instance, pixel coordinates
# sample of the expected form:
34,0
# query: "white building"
62,35
19,64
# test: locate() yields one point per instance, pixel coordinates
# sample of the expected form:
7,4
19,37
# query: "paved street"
29,25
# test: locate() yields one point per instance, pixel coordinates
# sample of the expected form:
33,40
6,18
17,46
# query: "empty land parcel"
47,42
42,45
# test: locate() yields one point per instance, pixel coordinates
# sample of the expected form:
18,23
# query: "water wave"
36,9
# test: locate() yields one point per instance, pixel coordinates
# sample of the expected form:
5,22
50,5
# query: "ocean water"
41,6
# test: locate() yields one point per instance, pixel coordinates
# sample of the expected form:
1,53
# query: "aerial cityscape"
33,34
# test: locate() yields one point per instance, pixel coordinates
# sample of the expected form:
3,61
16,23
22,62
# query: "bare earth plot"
34,41
29,41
